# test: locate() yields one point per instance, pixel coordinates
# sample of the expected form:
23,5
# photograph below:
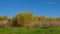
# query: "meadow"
22,30
27,23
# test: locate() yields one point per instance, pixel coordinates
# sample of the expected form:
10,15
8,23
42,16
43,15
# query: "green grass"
21,30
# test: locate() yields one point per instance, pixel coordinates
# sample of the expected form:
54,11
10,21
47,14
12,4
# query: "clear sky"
49,8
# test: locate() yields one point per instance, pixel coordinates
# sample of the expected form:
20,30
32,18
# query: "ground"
22,30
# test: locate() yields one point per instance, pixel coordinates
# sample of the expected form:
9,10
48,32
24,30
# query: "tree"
22,18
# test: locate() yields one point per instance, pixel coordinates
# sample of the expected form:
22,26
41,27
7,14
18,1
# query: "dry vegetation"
28,20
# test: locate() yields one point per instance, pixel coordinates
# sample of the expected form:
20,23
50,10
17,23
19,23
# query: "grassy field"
22,30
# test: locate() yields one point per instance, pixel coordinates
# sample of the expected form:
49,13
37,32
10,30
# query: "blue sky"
48,8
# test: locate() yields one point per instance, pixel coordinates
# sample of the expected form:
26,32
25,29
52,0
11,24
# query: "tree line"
27,19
